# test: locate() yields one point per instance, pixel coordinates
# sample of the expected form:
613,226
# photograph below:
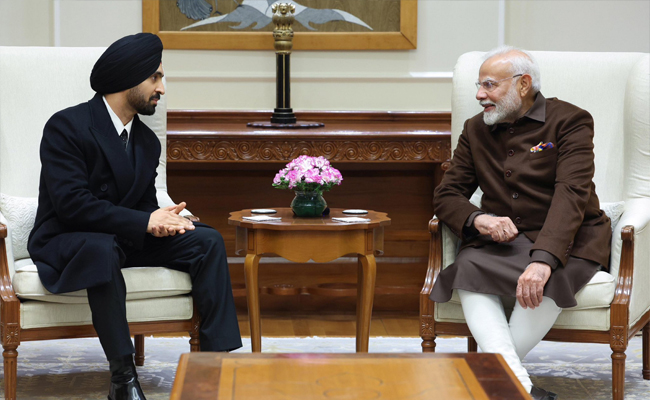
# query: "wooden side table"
303,239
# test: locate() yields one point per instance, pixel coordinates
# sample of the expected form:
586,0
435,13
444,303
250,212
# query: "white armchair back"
36,82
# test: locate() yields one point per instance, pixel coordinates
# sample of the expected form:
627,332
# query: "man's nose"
161,89
481,94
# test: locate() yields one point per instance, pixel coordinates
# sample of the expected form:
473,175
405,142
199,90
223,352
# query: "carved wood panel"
360,150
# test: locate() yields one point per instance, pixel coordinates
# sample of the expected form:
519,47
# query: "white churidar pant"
493,333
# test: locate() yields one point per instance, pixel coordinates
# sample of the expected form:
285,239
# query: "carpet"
76,369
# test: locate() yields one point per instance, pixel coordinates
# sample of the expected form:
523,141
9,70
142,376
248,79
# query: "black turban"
126,63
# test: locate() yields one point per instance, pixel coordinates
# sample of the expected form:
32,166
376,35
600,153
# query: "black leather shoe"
541,394
124,380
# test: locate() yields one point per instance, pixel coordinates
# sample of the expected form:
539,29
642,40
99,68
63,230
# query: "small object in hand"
263,211
355,211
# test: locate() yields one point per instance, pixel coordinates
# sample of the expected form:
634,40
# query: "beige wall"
571,25
356,80
26,23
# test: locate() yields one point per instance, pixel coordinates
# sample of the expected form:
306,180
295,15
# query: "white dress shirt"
119,126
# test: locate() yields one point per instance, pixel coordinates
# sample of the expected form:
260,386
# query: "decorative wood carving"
287,149
426,325
10,334
619,337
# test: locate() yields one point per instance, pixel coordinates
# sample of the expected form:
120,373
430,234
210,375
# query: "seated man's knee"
209,238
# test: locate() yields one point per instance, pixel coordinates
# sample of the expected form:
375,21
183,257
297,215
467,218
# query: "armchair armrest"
626,269
10,309
631,302
434,266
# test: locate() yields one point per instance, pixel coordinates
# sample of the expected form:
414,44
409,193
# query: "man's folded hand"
167,221
501,229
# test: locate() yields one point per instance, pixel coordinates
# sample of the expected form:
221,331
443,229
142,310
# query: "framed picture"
248,25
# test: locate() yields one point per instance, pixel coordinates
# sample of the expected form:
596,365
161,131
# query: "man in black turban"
98,212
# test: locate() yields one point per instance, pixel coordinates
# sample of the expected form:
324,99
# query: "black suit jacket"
90,196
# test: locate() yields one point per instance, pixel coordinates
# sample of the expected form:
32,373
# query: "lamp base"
283,116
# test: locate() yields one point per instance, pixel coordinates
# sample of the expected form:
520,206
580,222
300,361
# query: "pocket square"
541,146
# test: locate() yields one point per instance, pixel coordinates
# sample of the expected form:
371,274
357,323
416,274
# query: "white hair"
521,62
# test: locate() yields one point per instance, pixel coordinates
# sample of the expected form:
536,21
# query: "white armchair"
34,84
614,306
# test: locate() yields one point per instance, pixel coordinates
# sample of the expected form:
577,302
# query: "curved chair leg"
646,351
428,344
618,374
139,350
10,356
472,347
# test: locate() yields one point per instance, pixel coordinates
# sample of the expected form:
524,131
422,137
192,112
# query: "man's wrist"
540,263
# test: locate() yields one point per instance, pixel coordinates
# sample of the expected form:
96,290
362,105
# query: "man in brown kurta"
539,234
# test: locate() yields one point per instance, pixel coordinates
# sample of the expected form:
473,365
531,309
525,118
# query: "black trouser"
202,254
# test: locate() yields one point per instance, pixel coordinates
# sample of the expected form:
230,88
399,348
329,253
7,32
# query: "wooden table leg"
251,266
367,273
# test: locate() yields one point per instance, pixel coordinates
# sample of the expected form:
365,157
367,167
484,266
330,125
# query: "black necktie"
125,138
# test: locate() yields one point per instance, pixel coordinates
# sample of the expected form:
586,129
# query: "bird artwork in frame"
247,24
257,14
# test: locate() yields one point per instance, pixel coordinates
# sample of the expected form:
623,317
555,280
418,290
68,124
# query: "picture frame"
404,39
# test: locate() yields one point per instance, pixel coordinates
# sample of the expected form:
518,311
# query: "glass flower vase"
308,204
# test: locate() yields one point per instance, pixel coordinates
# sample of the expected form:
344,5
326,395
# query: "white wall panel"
352,80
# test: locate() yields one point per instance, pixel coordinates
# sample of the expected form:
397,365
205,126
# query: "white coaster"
261,218
263,211
351,220
355,211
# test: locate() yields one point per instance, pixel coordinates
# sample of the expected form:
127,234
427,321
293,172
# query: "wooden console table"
390,161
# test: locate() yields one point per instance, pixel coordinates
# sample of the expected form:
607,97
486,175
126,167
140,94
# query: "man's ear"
525,85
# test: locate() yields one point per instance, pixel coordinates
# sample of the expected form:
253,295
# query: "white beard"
507,107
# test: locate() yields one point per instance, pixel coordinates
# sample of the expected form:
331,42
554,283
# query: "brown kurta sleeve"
451,198
545,257
573,183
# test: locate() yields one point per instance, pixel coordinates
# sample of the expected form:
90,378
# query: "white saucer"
355,211
263,211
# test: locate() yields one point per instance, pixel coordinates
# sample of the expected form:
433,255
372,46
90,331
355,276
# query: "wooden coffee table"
477,376
303,239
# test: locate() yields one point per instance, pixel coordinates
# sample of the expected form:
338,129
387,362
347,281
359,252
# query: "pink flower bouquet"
308,174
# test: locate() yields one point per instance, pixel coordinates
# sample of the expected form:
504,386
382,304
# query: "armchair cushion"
597,319
598,293
41,314
20,213
141,283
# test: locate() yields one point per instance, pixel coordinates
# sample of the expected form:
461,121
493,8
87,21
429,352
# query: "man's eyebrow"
158,73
